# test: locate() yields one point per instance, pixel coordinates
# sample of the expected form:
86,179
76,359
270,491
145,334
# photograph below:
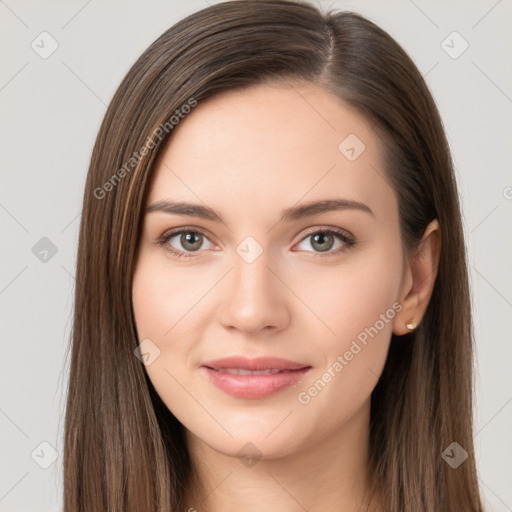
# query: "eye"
183,242
190,240
325,240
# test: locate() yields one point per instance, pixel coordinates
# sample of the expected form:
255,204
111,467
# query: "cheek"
160,312
358,306
354,296
150,302
163,299
168,308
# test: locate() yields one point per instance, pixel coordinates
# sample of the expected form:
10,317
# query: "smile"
253,378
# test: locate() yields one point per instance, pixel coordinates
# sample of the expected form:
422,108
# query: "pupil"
322,237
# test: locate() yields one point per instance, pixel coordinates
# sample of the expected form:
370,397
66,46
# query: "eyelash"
341,234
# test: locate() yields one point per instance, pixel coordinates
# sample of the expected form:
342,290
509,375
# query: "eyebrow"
291,214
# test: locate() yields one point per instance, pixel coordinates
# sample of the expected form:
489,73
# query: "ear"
419,279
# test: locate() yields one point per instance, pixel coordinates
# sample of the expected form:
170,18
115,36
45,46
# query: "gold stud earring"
411,326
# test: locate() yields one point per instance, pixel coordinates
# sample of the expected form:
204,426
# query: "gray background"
51,111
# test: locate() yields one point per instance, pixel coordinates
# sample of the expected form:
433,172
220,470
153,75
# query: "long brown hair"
124,450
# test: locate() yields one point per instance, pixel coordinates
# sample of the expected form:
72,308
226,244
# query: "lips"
253,378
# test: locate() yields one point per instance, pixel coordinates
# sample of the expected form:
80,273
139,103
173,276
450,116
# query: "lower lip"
253,386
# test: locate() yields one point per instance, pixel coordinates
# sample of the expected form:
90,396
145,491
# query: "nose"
255,298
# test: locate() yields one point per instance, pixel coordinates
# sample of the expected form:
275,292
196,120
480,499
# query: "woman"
272,304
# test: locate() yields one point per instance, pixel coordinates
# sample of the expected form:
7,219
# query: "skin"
250,154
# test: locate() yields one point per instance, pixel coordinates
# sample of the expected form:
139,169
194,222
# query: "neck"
327,475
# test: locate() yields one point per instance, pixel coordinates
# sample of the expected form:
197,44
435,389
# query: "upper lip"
258,363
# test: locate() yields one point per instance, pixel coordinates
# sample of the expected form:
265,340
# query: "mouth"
253,378
256,364
244,371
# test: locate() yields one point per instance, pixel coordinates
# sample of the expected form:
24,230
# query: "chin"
250,446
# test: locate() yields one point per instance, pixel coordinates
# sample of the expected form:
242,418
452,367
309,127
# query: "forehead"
271,145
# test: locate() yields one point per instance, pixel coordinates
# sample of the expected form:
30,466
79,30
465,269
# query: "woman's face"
261,278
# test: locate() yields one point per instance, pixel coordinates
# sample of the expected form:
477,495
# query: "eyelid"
175,231
327,229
